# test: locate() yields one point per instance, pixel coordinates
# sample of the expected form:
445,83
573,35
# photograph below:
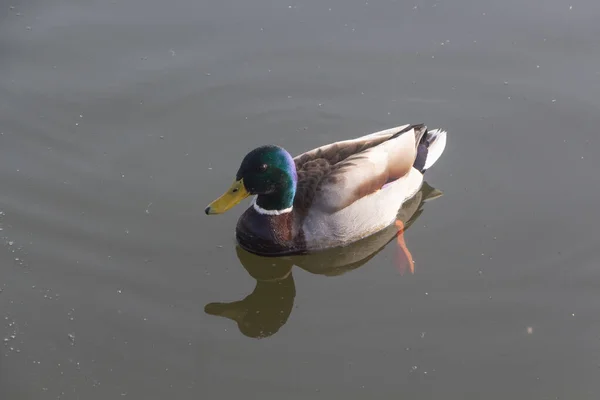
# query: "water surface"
121,120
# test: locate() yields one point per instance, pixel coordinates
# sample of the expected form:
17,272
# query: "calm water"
120,120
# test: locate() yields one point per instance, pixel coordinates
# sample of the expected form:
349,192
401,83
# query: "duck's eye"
262,167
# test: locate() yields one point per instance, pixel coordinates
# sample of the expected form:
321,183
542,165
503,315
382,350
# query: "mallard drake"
330,196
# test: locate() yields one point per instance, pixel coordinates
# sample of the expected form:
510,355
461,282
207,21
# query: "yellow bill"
236,193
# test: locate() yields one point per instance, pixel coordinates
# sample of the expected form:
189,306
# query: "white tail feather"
437,140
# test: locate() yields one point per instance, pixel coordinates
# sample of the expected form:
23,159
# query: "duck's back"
336,175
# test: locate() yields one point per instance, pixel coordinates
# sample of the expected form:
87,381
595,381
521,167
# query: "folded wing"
334,176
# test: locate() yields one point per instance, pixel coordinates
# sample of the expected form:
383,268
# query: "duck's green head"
267,171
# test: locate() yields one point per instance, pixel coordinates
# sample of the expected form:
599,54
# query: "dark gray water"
120,120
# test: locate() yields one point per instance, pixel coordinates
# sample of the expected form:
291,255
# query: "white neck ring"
264,211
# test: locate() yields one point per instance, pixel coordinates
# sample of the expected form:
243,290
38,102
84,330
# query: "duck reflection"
263,312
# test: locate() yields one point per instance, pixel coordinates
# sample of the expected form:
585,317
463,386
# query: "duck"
331,196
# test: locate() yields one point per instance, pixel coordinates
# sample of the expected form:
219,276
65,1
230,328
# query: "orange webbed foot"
404,258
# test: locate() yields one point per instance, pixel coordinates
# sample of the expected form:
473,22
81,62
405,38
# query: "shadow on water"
263,312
